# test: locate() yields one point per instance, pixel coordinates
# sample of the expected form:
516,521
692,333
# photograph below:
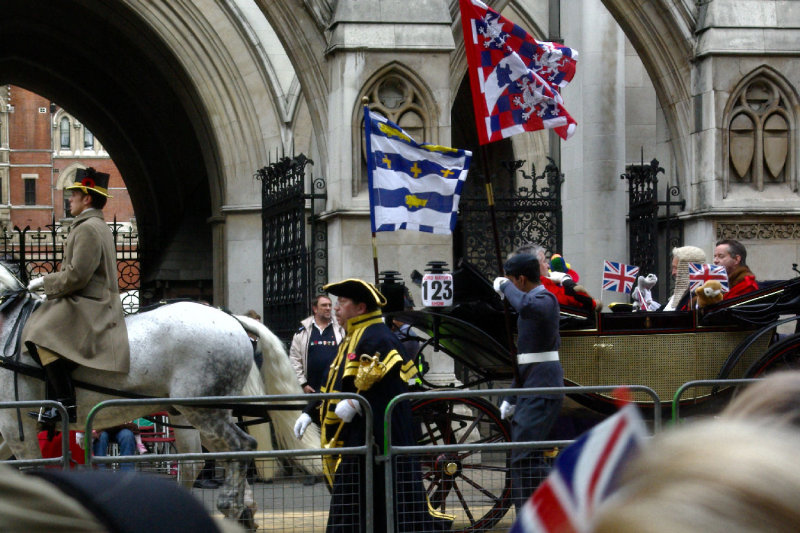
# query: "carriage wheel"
783,355
473,486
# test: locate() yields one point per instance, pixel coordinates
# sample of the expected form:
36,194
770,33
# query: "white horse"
178,350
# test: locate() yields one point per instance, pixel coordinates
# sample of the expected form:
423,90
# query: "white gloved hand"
507,410
79,439
559,277
347,409
303,421
498,286
36,284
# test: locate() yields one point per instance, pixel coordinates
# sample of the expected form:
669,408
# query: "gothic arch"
418,101
738,109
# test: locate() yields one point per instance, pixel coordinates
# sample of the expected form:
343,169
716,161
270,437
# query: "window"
65,134
394,96
88,139
67,212
30,191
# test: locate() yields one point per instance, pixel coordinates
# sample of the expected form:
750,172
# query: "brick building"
41,147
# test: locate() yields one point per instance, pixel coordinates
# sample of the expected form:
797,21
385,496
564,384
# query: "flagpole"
375,256
512,349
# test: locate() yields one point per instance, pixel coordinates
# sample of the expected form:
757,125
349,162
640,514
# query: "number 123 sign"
437,290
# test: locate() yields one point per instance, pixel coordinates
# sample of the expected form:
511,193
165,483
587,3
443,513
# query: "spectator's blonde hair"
721,476
776,399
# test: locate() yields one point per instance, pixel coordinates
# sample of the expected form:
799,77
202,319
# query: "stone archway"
100,64
165,87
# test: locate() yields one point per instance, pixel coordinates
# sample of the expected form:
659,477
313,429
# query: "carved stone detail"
758,231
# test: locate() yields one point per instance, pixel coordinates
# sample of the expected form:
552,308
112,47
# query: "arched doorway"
105,65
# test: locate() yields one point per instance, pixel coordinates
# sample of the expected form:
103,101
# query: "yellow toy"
709,293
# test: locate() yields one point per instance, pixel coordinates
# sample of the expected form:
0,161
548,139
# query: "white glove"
498,286
559,277
507,410
79,439
36,284
347,409
301,425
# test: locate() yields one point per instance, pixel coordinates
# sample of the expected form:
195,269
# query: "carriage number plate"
437,290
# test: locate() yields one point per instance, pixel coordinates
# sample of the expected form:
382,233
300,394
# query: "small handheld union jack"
584,475
699,273
619,277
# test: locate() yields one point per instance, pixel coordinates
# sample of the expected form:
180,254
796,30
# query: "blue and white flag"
412,186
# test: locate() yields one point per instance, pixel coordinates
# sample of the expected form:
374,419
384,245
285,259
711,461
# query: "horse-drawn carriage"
737,338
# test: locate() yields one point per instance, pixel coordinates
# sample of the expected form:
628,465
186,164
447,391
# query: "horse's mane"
8,281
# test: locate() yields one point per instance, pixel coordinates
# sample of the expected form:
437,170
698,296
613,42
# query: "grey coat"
82,319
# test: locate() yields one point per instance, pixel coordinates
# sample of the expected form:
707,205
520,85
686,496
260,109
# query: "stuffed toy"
642,294
709,293
559,264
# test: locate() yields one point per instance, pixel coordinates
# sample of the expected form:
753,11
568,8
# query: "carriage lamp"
390,283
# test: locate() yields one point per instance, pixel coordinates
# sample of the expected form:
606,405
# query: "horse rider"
81,321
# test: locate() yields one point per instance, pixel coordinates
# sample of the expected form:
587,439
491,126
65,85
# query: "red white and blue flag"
584,475
699,273
515,79
619,277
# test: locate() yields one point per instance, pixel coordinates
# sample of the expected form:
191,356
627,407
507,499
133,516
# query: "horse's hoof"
247,520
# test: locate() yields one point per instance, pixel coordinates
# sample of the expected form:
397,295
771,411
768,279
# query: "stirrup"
51,415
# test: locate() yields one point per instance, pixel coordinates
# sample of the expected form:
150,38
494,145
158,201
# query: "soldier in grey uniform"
538,341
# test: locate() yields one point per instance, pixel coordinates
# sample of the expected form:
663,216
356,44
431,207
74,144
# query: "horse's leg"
187,441
249,497
219,433
5,450
26,449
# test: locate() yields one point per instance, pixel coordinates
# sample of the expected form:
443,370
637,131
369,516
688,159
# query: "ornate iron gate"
295,267
649,231
526,214
37,252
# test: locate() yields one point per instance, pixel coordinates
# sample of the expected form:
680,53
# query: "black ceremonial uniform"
367,334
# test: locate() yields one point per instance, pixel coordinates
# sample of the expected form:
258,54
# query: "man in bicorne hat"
82,321
358,310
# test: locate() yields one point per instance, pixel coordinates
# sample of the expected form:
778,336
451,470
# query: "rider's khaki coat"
82,319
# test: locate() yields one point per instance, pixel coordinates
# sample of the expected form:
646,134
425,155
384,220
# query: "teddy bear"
709,293
642,294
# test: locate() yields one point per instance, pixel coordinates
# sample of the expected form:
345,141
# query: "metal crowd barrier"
300,497
279,402
65,453
676,407
391,451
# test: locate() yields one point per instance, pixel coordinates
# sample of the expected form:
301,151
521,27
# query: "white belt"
537,357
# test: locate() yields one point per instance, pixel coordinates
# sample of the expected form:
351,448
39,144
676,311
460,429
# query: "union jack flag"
699,273
583,476
515,79
619,277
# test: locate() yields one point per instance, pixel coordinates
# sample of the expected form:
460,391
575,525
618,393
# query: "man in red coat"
565,289
732,255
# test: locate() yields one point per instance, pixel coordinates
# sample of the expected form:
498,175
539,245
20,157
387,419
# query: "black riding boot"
58,377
